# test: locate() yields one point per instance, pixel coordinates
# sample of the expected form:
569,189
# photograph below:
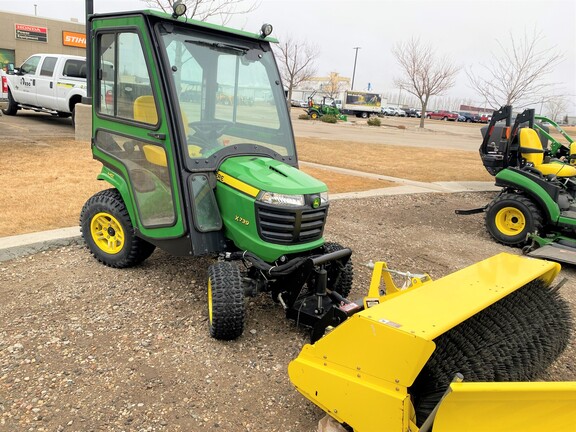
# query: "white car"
393,111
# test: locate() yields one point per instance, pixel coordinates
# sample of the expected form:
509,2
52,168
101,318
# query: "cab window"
30,65
48,66
125,90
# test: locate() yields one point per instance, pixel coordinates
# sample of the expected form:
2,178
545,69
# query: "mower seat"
532,152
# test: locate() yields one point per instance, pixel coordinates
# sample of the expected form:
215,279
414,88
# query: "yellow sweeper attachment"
496,323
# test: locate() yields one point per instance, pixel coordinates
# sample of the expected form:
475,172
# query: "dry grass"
338,183
413,163
45,185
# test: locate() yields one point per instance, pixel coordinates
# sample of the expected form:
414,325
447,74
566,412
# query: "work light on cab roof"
179,9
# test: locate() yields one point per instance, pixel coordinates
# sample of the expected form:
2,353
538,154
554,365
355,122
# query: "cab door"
132,134
45,83
24,88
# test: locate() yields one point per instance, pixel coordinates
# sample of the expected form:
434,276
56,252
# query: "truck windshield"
229,94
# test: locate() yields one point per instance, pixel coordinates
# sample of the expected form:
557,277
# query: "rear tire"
510,217
108,232
226,310
313,115
364,115
12,106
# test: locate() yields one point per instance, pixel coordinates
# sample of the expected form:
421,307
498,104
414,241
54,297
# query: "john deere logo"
316,203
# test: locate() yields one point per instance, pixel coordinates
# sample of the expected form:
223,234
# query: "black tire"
108,232
364,115
12,106
313,115
63,114
510,217
73,115
339,281
468,120
226,310
445,119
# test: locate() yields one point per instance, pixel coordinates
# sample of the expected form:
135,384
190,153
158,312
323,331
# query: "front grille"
290,226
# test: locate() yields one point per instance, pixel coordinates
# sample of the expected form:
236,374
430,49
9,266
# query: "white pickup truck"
51,83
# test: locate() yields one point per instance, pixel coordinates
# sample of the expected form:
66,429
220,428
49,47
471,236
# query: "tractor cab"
191,125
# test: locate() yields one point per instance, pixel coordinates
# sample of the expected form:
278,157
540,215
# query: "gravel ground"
87,348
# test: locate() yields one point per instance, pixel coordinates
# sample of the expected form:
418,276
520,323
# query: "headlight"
282,199
324,198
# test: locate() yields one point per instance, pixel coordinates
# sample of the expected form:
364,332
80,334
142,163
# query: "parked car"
393,111
469,117
461,118
411,112
52,83
485,118
442,115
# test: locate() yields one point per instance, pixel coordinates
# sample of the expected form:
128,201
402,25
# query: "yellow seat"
145,110
532,152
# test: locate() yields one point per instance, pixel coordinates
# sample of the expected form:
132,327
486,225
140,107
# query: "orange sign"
74,39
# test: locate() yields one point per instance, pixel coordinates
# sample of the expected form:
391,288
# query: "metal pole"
354,71
89,11
35,14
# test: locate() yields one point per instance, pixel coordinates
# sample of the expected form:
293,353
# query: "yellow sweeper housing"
387,367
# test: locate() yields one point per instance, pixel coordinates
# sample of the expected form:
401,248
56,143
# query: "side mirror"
16,71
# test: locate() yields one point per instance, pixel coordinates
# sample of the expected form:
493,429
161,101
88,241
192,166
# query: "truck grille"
290,226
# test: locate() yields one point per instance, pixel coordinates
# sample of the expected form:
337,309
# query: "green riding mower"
193,176
536,208
326,107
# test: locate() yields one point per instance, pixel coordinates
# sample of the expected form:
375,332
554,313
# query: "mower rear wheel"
341,282
511,217
226,310
108,232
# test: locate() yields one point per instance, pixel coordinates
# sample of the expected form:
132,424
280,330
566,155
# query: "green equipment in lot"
536,208
324,108
194,176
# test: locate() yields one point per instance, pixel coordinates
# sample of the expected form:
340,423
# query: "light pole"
354,71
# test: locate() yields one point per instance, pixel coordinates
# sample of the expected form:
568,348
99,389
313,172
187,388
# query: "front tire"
364,115
511,217
12,106
339,281
313,115
226,309
108,232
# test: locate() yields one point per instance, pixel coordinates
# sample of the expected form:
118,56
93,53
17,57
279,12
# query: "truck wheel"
12,105
511,217
364,115
63,114
225,301
108,232
339,281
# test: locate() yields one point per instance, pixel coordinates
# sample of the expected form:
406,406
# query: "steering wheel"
209,130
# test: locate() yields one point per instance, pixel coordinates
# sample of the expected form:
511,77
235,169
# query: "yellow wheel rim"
210,300
107,233
510,221
313,116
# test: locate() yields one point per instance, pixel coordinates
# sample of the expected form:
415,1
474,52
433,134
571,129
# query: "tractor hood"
266,174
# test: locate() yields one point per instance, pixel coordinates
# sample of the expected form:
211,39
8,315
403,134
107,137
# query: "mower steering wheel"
209,129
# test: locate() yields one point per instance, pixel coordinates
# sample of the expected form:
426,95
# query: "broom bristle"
515,339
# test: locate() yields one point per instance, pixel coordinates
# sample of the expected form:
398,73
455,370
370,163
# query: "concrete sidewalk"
28,244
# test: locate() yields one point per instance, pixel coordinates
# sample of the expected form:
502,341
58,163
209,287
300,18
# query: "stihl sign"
74,39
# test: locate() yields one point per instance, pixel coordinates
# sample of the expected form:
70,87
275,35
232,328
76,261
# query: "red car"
442,115
485,118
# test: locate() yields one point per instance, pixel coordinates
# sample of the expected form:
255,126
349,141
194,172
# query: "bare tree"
205,10
296,60
424,74
516,75
555,106
335,85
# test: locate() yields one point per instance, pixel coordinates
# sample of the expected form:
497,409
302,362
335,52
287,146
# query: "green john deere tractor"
326,107
536,208
194,176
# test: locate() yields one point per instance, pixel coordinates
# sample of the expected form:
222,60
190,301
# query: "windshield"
229,94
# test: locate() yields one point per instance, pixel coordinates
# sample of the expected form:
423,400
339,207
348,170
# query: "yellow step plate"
508,407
